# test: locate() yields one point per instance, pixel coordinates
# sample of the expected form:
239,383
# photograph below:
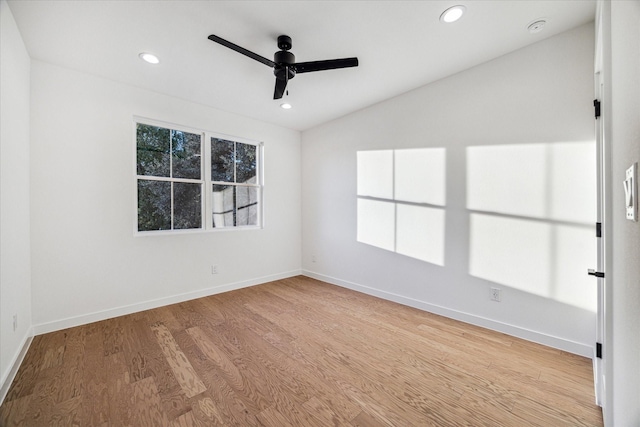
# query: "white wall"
15,272
519,170
86,262
622,90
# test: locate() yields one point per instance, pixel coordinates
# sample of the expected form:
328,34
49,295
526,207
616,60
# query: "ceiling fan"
284,62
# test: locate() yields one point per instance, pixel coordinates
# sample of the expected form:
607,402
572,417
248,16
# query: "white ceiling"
401,45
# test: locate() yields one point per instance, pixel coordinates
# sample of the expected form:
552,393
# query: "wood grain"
295,352
180,365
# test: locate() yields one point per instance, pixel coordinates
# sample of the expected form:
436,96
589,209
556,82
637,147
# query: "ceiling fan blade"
329,64
242,50
281,86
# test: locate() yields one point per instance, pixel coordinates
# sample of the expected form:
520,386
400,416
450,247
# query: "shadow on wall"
531,213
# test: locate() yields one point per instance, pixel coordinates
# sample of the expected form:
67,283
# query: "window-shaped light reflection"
534,256
401,195
376,223
420,233
533,225
573,182
419,175
508,179
552,181
375,174
511,252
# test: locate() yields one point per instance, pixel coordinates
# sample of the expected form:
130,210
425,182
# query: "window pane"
246,205
187,202
222,160
245,163
186,154
223,206
152,144
154,205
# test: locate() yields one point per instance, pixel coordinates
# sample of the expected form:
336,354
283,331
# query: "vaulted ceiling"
401,45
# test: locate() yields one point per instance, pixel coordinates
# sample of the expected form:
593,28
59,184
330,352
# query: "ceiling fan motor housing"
284,63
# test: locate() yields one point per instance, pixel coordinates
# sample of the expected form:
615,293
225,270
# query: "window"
235,187
193,180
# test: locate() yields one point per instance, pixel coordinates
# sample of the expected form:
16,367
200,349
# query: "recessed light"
149,57
286,106
537,26
452,14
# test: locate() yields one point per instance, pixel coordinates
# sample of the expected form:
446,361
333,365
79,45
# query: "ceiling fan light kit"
284,62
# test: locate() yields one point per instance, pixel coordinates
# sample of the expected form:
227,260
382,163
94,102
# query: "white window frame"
259,178
205,181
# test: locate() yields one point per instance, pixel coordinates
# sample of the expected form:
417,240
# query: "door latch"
595,273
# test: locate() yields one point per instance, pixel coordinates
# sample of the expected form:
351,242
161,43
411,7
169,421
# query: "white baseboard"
70,322
516,331
10,374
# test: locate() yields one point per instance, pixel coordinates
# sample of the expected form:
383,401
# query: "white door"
599,272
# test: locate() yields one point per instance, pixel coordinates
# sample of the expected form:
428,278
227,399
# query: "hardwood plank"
365,420
210,410
270,417
295,352
147,405
65,414
181,367
119,390
54,351
220,404
175,403
185,420
322,412
236,373
538,414
113,336
95,404
15,413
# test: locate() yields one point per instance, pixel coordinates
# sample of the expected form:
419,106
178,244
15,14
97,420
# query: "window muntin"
174,166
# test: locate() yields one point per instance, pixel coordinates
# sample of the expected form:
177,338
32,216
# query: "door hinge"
598,229
595,273
599,350
596,106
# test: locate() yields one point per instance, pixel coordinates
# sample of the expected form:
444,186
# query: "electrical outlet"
214,269
496,294
15,322
313,258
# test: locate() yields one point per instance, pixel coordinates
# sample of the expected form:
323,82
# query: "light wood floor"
296,352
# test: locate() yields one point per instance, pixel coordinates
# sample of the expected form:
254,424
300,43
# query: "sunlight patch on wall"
420,233
533,225
552,181
376,223
511,252
420,175
375,174
401,198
